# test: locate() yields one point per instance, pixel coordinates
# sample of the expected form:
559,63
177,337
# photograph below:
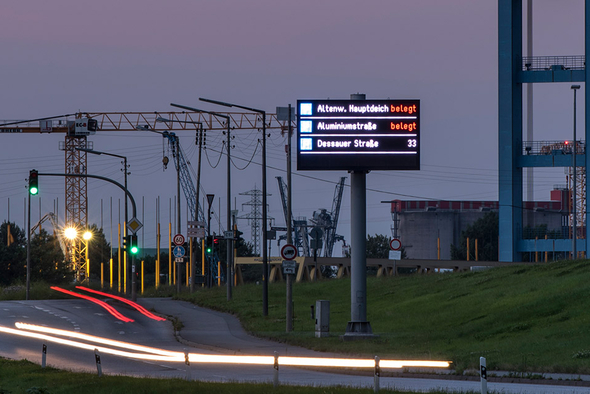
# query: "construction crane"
88,123
299,225
184,178
327,221
330,234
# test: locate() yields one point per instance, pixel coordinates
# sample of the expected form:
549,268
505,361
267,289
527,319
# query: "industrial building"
427,228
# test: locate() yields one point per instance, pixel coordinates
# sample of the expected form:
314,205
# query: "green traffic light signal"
33,182
133,248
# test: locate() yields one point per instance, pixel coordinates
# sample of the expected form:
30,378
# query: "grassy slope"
525,318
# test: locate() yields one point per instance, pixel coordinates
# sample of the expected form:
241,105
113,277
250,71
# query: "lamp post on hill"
228,242
264,208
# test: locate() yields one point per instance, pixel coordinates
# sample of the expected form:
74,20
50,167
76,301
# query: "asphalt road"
204,331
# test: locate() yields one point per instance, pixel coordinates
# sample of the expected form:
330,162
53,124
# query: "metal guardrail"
552,147
532,233
538,63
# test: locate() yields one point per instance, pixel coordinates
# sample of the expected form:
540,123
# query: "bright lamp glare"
70,233
87,235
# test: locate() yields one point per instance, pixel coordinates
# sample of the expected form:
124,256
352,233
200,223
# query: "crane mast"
327,221
331,236
299,225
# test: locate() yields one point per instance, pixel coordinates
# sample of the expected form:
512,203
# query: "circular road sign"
289,252
178,239
395,244
178,251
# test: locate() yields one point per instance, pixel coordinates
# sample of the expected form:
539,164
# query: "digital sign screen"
359,135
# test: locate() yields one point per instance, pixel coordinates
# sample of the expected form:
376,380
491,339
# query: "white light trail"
154,354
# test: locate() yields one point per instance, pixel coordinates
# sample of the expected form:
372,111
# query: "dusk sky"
64,56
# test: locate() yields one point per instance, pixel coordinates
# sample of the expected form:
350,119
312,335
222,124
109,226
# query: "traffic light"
133,248
209,244
33,182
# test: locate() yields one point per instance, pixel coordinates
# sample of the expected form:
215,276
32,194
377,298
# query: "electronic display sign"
359,135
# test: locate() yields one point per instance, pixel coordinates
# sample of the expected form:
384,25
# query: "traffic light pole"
133,206
28,248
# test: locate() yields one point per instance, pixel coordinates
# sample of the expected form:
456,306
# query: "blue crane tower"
515,70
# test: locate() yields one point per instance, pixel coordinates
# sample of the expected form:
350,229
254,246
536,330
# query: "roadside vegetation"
522,318
526,318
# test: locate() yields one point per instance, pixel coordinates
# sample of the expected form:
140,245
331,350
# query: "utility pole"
264,204
228,241
194,254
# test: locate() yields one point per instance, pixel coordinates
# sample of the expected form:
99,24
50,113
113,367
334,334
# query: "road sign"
395,255
196,232
178,251
316,243
289,252
395,244
134,225
178,239
179,260
278,228
316,232
358,135
195,229
289,266
228,234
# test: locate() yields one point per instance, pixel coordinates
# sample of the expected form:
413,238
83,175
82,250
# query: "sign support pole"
358,326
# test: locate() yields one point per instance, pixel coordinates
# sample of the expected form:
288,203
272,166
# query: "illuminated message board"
358,135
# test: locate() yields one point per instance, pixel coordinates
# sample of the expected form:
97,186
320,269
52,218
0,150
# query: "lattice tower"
255,216
76,200
580,200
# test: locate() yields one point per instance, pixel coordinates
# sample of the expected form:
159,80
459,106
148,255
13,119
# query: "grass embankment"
522,318
25,377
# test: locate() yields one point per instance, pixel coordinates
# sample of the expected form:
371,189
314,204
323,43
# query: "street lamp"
264,213
133,285
229,242
574,165
71,233
86,237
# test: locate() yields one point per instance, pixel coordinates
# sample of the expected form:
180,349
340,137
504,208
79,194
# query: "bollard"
188,365
377,374
98,365
276,374
44,356
483,372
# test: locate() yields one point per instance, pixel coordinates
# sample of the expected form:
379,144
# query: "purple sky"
63,56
